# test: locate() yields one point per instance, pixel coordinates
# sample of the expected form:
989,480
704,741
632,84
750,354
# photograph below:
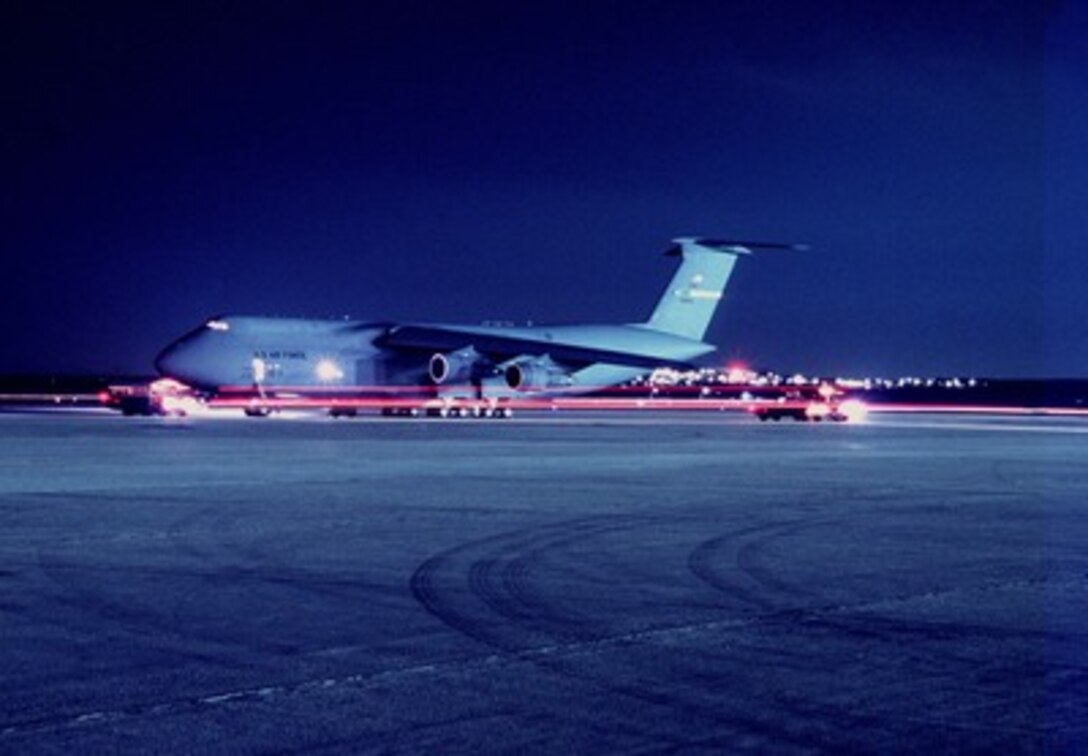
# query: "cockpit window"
218,325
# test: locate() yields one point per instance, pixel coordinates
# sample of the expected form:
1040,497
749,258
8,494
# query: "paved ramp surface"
623,583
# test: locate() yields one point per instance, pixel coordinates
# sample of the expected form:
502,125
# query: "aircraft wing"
571,345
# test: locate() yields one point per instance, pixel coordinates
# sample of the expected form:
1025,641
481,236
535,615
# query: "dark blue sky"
466,161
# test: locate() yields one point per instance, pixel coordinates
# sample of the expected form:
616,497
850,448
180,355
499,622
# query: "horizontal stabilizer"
733,246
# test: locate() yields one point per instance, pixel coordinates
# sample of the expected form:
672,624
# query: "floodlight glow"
218,325
327,370
854,410
180,406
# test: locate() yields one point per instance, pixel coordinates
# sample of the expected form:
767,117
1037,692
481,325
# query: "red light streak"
977,409
691,398
655,404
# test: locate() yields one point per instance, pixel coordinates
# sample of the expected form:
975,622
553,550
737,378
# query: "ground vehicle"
800,411
808,404
160,397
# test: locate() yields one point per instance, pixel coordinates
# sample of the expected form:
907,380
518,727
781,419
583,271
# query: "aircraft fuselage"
233,353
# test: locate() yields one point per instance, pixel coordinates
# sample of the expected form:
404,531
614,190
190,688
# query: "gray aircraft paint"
339,355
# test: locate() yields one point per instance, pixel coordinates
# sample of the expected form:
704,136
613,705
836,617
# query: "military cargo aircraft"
277,357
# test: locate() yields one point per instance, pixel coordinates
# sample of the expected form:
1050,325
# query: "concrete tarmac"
560,583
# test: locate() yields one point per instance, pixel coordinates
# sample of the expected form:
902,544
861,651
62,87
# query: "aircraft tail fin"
689,302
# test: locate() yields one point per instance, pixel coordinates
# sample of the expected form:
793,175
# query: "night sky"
444,161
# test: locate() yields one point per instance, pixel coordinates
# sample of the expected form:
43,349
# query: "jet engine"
454,367
535,374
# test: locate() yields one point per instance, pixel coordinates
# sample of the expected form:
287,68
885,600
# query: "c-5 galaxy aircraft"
272,357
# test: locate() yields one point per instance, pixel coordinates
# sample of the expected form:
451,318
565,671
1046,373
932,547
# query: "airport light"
327,371
738,372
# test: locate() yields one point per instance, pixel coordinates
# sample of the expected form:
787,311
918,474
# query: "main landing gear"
446,409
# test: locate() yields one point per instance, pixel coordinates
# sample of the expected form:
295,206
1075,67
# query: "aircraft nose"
166,363
193,359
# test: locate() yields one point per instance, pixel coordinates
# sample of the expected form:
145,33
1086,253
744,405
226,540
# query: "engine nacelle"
535,374
454,367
